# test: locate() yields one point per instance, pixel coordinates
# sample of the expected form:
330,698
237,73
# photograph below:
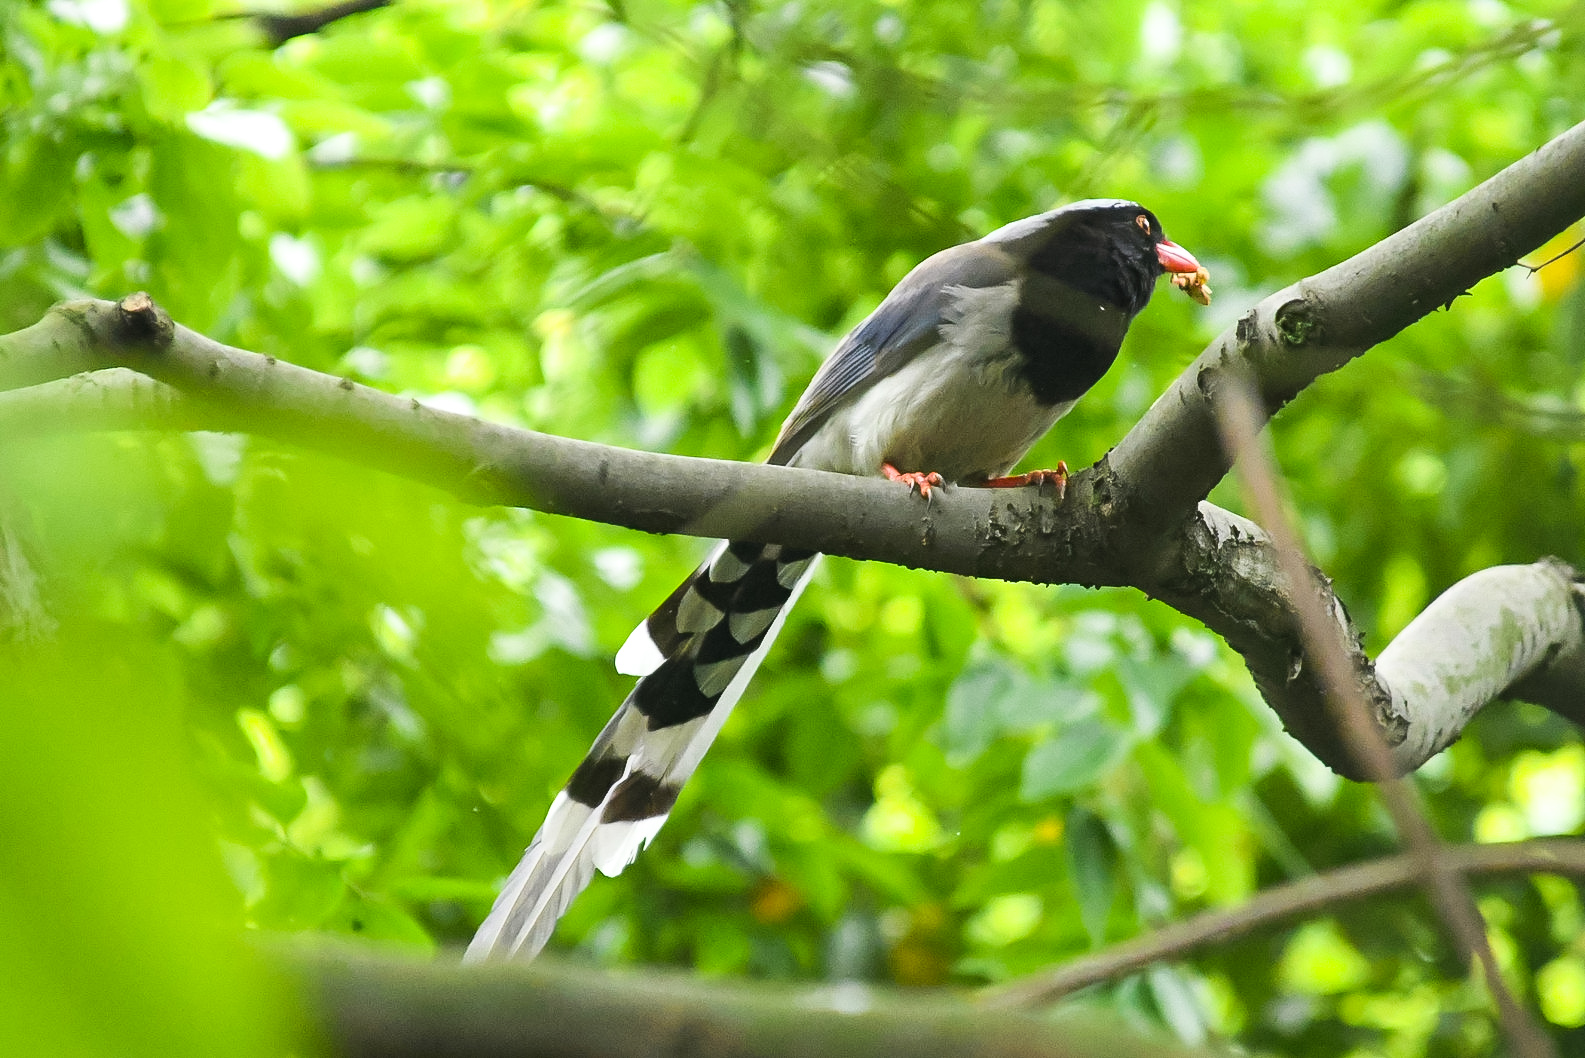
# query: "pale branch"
486,463
1475,642
114,399
1432,679
1281,905
554,1009
1135,519
1239,419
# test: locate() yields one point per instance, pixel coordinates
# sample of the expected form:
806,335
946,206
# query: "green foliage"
643,224
117,930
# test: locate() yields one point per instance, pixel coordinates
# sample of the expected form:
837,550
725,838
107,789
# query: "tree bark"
1137,518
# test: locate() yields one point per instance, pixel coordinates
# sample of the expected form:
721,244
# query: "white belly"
958,409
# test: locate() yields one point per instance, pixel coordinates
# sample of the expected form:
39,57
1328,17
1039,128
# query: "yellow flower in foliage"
775,901
921,956
1559,277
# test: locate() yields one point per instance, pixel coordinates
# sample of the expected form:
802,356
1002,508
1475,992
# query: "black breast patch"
1080,291
1068,337
1060,362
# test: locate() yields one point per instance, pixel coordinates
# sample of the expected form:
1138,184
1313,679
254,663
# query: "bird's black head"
1112,249
1088,269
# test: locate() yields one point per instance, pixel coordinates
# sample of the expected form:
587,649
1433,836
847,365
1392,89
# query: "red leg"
1057,478
914,479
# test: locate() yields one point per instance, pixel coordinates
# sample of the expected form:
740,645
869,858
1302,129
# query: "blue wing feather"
908,321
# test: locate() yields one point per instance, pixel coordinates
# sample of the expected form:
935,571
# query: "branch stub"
140,321
1297,323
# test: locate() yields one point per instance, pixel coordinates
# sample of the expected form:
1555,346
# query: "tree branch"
1321,323
1531,619
1285,903
551,1009
371,1006
278,27
1349,702
1137,518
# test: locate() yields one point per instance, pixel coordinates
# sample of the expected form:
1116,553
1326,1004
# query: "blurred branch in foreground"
1440,664
551,1009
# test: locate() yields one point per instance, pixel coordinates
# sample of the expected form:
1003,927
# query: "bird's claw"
914,479
1057,479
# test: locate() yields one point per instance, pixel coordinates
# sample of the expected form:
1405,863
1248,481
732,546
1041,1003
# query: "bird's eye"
1143,222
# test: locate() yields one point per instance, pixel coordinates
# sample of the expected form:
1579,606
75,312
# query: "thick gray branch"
1321,323
1137,518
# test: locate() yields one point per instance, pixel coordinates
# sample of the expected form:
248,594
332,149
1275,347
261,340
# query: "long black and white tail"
693,656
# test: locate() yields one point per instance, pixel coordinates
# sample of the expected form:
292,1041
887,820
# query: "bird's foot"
914,479
1057,479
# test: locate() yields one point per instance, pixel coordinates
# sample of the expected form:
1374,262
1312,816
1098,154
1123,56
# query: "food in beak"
1187,273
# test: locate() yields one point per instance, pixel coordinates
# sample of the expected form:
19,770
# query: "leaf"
1032,871
1152,684
37,189
172,88
197,249
302,892
1215,829
894,877
410,229
1179,1007
1092,859
971,721
1071,759
371,918
993,698
119,932
721,946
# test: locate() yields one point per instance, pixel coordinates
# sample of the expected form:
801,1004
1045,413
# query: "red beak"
1175,258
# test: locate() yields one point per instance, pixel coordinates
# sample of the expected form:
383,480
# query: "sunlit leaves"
644,224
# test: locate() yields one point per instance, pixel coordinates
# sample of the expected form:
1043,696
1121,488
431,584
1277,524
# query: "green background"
245,684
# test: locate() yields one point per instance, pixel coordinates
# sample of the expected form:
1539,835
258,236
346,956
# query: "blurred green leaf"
119,933
1071,759
36,193
1092,857
644,225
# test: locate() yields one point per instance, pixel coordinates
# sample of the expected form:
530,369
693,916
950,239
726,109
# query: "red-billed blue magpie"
967,363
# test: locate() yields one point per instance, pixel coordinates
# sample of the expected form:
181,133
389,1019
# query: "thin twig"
280,28
1239,418
1533,269
1284,903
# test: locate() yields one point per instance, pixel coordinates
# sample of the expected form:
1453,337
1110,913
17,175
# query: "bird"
969,360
